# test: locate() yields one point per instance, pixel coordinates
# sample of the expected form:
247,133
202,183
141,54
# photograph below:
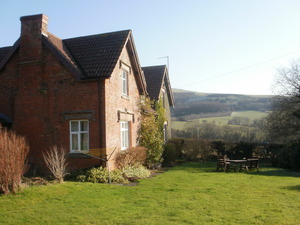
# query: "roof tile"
4,51
154,76
97,55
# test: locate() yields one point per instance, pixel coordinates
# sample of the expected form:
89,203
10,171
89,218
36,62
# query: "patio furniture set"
241,164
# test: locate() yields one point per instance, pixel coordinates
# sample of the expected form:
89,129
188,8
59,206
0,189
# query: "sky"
213,46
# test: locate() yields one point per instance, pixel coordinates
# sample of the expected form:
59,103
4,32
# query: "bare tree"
55,159
283,123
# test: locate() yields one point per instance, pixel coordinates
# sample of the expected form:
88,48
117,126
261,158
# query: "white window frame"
125,134
124,79
78,133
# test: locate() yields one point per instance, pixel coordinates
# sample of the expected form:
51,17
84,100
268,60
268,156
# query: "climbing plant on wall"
151,130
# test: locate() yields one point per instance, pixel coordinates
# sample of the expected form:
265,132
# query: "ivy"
151,130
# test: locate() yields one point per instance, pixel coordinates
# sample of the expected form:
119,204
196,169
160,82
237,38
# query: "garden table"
253,163
237,162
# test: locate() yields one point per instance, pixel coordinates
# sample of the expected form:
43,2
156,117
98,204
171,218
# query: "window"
124,78
124,135
79,135
165,132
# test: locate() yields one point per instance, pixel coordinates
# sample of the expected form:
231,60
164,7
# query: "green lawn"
222,120
193,193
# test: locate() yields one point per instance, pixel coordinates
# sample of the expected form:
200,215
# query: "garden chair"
253,164
223,164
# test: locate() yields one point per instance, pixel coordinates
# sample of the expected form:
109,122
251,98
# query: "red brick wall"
8,87
47,93
41,96
115,102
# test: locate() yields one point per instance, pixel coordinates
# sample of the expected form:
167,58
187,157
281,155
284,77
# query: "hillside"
193,105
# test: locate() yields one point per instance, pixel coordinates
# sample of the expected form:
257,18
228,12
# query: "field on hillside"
193,193
223,120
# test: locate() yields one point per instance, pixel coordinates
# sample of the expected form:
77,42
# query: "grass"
222,120
193,193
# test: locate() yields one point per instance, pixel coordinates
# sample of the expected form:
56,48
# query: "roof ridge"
6,47
9,53
163,65
97,35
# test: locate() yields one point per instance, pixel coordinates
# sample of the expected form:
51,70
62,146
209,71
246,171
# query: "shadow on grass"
271,171
293,188
196,167
210,167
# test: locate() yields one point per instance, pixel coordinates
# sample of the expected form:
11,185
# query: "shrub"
220,148
55,159
101,175
170,154
13,152
81,178
131,157
135,172
195,150
179,145
151,131
285,155
34,181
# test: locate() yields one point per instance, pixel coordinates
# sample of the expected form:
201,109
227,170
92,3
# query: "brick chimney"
32,29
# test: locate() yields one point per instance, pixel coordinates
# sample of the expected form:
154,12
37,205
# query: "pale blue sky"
216,46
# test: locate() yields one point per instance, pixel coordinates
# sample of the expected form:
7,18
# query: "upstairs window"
124,135
79,135
124,78
125,71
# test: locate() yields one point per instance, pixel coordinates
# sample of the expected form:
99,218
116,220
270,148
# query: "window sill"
77,155
125,97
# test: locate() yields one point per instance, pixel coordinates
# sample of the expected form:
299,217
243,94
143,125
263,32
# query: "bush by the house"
135,172
101,175
131,157
32,181
13,152
56,162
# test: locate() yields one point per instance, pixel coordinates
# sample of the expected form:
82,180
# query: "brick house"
80,93
159,89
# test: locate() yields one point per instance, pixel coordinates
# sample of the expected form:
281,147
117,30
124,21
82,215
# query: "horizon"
218,46
178,90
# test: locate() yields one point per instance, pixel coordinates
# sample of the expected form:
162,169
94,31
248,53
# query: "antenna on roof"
165,57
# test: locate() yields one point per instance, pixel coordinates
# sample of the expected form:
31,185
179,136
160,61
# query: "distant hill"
192,105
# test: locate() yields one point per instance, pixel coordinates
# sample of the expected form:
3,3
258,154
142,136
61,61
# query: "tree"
283,123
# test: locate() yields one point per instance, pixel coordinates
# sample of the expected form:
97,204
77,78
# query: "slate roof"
4,51
97,55
88,57
92,56
155,77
